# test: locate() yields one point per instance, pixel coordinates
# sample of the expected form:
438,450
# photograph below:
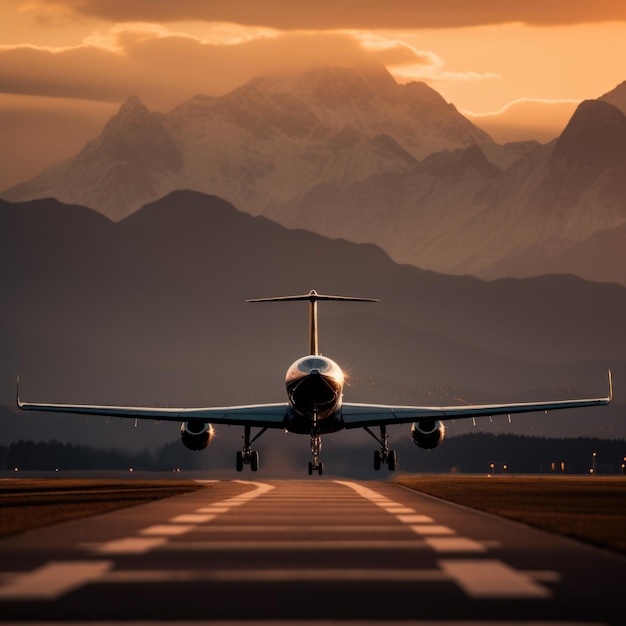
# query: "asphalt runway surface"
315,551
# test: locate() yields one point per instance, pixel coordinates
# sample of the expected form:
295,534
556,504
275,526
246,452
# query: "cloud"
339,14
527,104
526,118
164,68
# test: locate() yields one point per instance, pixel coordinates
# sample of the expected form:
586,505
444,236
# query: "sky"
518,69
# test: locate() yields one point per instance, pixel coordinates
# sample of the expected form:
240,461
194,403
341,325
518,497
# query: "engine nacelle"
196,435
428,434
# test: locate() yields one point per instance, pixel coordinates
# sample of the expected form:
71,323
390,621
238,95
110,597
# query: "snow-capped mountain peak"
349,152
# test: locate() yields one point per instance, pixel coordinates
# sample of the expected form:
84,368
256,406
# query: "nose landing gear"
316,447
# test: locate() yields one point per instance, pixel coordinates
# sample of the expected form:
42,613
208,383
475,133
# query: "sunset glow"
66,65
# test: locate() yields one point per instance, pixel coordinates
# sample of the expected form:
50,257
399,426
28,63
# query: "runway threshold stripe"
415,519
130,545
454,544
432,529
167,530
492,579
53,580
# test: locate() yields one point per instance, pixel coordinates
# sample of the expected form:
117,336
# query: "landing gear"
384,456
319,468
248,456
316,447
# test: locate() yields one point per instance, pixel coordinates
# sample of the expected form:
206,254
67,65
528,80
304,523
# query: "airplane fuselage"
315,392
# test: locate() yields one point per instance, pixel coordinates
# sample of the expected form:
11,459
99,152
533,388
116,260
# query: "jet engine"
427,434
196,435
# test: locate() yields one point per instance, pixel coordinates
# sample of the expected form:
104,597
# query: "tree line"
467,453
54,455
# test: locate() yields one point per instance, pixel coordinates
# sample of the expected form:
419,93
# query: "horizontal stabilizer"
313,296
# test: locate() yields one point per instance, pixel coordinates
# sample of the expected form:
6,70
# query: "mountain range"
349,153
151,310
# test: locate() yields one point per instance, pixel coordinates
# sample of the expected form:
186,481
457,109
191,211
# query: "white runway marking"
130,545
432,529
192,518
365,492
179,525
454,544
478,578
492,579
164,529
261,488
53,580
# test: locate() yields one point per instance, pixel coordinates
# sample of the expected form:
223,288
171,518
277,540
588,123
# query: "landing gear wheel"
376,460
239,462
254,460
392,461
316,467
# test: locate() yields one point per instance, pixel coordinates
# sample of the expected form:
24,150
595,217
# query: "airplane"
315,407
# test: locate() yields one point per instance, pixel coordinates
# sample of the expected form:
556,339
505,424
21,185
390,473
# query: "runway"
312,551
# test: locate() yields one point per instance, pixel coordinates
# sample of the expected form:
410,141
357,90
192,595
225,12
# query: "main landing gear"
384,456
316,447
248,456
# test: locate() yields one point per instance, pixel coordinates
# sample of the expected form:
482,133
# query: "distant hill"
151,310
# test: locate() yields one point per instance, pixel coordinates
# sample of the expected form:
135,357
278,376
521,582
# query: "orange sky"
66,65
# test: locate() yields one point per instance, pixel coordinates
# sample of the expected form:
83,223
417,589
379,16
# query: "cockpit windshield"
308,364
314,363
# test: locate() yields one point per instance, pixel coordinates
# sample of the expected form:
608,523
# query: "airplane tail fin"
313,297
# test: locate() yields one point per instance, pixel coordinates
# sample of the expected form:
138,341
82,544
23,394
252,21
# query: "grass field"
588,508
28,503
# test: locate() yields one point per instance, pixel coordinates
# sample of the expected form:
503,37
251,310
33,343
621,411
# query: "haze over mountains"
350,153
151,309
130,286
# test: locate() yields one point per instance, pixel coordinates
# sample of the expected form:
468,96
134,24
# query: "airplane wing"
362,415
261,415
